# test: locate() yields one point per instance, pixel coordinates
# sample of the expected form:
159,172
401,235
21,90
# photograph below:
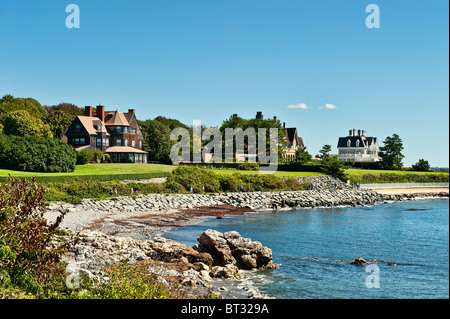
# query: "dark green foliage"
332,166
391,152
36,154
58,122
84,157
157,141
248,166
422,165
302,156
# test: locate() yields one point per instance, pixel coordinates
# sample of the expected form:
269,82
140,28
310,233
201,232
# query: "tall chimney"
235,116
354,132
275,118
284,125
259,115
363,132
359,132
101,112
131,111
88,111
350,133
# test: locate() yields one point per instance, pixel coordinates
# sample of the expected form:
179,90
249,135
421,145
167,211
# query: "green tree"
9,103
65,107
58,122
391,152
332,166
302,156
238,122
326,149
422,165
156,141
21,123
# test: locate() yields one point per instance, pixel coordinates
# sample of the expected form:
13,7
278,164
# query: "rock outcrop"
216,255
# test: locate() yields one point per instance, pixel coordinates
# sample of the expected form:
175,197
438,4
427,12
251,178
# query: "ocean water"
406,244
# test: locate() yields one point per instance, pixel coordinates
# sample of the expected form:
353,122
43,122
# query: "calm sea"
407,244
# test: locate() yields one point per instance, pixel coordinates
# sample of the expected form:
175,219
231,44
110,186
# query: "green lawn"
120,169
359,172
99,169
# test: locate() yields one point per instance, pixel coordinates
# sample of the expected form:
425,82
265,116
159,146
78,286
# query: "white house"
357,147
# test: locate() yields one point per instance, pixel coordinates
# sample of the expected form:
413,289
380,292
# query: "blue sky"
205,60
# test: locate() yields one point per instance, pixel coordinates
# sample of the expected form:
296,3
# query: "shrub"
248,166
26,259
36,154
84,157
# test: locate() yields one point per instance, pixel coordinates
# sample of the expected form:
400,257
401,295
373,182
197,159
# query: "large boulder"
217,246
232,248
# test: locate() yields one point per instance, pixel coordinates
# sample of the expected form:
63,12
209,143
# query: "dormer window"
357,143
349,143
99,127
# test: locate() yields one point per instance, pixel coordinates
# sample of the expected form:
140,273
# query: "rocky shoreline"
105,232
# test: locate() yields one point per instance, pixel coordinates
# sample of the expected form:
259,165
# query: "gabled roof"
116,119
91,124
292,136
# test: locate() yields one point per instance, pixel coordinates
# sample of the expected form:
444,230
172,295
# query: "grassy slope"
114,169
98,169
359,172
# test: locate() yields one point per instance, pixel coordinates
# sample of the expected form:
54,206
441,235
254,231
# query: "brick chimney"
88,111
284,124
275,118
131,111
259,115
101,112
350,132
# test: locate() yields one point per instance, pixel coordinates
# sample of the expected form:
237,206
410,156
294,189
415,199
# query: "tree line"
26,117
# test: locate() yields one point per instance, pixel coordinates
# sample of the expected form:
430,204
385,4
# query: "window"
119,142
125,129
82,141
133,143
132,130
99,127
99,141
77,127
126,143
118,129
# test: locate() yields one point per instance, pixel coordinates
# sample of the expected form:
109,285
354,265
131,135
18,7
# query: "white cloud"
302,106
328,107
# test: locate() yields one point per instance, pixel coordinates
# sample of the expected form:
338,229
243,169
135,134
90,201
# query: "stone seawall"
153,214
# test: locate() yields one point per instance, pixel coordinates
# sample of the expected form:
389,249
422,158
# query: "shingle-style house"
357,147
114,133
294,142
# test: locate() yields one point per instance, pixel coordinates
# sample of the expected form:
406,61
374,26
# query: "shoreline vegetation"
111,242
